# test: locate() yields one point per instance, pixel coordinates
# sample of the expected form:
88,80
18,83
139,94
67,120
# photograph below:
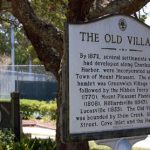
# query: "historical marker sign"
109,79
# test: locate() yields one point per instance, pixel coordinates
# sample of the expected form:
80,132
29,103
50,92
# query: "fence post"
15,111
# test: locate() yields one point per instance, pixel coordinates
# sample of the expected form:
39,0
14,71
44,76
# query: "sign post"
107,84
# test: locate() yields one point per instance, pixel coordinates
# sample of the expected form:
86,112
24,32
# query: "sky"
147,10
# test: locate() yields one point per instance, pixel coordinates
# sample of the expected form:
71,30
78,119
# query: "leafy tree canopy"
54,12
51,11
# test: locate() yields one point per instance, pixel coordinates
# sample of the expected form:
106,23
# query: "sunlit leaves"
51,11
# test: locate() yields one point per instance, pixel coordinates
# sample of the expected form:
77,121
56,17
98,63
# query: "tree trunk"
48,41
60,145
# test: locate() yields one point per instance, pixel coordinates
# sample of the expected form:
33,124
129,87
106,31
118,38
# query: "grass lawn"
94,146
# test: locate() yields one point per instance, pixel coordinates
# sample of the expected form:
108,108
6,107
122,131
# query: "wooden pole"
15,111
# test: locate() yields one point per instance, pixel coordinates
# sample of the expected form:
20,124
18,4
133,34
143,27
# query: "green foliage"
4,35
142,18
51,11
22,45
49,110
34,144
139,148
33,108
7,142
94,146
6,139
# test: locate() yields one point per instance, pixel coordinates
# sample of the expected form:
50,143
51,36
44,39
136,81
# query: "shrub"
49,110
34,108
34,144
6,139
25,143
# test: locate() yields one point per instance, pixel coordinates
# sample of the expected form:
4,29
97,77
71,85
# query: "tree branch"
46,39
78,10
103,7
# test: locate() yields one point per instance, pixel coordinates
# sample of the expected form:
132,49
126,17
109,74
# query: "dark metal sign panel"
107,79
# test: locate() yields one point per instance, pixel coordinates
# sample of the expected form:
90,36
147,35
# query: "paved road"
39,129
40,132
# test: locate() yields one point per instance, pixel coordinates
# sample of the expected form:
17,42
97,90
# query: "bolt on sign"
107,79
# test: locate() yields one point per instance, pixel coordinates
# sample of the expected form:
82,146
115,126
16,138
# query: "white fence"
9,78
